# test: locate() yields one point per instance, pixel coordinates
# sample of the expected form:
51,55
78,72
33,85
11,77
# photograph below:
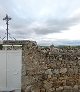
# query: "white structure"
10,69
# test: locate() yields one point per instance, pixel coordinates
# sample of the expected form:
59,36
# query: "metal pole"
7,29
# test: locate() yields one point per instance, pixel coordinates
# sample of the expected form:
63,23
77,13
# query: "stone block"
56,71
70,71
67,87
63,70
79,62
75,87
76,70
48,71
47,85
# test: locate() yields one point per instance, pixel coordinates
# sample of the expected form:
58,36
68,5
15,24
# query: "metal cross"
7,18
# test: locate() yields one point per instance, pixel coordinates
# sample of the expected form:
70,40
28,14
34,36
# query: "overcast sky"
45,21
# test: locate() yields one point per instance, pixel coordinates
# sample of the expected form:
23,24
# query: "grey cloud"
56,25
20,23
52,26
24,33
24,17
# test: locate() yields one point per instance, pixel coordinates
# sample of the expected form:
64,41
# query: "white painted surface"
10,70
2,69
14,69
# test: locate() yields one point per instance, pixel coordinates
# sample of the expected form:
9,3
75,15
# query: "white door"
3,70
14,69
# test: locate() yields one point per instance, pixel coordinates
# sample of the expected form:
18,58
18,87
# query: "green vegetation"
1,46
68,47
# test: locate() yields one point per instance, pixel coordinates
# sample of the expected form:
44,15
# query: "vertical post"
7,29
7,23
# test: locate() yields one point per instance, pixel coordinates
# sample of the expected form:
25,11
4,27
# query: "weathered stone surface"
28,89
63,70
79,61
47,85
70,71
50,69
59,89
56,71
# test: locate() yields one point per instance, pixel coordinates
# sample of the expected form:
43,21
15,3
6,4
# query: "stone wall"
50,69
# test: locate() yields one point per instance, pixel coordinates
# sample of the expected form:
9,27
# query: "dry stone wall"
50,69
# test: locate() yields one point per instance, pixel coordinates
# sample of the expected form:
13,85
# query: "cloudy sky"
45,21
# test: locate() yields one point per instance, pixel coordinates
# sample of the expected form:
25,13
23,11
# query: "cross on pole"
7,18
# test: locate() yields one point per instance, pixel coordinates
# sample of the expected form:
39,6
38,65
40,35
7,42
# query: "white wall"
10,69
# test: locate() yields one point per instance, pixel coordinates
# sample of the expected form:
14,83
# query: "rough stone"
63,70
56,71
50,69
48,72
